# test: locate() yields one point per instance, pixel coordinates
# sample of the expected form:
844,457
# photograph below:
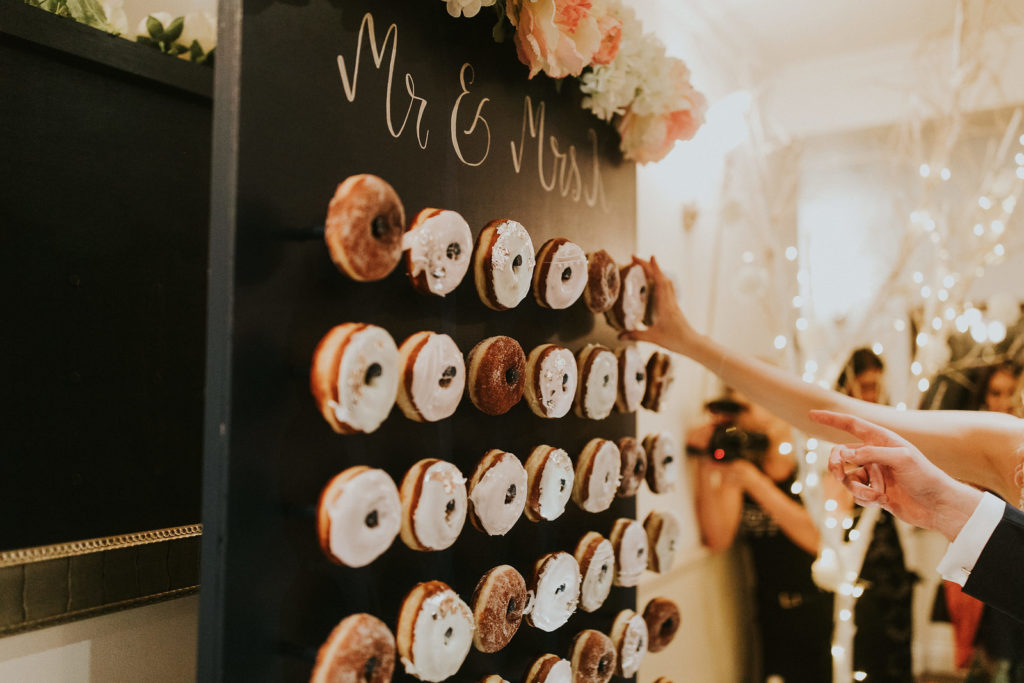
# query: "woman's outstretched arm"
981,448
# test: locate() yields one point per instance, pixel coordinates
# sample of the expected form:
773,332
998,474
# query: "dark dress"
794,616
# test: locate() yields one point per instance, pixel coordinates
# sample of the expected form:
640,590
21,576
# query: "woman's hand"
739,473
669,328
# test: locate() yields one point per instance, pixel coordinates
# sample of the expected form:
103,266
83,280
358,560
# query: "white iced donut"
438,248
598,469
631,307
556,590
433,505
662,530
550,380
503,264
550,481
598,382
662,461
355,377
549,669
435,631
630,543
497,493
629,634
358,516
632,379
561,274
596,558
433,377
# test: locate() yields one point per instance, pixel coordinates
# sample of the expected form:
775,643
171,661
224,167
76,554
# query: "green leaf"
90,13
195,51
173,31
146,40
155,28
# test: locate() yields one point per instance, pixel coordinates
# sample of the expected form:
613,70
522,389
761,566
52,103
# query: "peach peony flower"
611,38
558,37
650,137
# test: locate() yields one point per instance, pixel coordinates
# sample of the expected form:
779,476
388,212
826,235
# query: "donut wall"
346,133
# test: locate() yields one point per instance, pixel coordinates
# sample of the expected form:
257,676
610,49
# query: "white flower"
201,26
466,8
114,9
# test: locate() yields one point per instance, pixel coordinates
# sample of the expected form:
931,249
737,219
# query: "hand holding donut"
669,327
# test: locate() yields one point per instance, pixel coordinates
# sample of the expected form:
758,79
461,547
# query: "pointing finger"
867,432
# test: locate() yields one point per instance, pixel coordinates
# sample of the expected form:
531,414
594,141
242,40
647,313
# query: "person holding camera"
745,490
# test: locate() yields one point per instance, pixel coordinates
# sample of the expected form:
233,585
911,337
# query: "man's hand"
890,471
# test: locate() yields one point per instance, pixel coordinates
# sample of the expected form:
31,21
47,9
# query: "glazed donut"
597,475
433,377
551,380
499,601
360,648
630,543
354,378
438,246
662,462
503,264
549,483
629,633
435,631
358,516
433,505
630,308
596,558
556,590
560,275
598,383
632,379
659,379
662,618
662,535
633,467
497,374
549,669
497,493
363,231
603,282
593,657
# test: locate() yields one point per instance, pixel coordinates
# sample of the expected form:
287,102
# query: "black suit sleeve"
997,578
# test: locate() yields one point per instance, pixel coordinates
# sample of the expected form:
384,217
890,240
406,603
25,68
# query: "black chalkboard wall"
292,120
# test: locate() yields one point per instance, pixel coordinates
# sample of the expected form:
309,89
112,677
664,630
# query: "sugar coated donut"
556,590
438,246
603,282
497,493
358,516
433,505
597,475
593,657
354,378
549,669
662,618
560,275
550,479
633,466
433,377
435,631
632,379
596,558
662,535
363,231
497,374
662,461
550,380
629,633
630,308
499,601
659,379
598,383
630,543
360,648
503,264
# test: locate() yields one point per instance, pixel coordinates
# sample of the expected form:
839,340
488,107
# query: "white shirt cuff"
963,552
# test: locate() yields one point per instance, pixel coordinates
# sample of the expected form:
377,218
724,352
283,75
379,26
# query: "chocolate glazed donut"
603,282
593,657
662,617
497,374
499,601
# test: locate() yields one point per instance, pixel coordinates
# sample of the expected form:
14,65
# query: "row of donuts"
358,373
366,237
361,511
436,628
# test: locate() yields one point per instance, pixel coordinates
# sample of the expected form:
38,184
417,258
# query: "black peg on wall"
314,232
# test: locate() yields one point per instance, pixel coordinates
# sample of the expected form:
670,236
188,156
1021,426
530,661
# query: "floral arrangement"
624,74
